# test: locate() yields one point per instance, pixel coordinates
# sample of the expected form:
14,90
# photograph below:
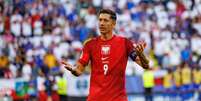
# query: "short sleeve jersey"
108,64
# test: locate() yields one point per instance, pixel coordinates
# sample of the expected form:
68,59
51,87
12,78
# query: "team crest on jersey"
105,49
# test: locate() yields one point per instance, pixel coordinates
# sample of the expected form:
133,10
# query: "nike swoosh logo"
104,58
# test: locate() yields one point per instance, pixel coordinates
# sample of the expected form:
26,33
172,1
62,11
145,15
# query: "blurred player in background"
108,54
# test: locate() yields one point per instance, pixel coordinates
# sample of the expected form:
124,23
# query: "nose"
101,23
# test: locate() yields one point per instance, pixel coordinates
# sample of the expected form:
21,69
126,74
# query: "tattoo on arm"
144,61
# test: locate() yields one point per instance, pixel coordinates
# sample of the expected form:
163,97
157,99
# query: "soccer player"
108,54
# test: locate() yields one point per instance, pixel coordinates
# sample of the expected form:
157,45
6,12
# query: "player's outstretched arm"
76,70
141,59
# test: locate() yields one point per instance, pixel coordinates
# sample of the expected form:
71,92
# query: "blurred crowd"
35,35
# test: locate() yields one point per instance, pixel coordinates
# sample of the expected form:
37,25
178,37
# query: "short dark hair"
110,12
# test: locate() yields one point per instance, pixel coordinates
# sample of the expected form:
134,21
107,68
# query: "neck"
106,36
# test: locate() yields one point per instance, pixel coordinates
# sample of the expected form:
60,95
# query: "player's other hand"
139,47
67,65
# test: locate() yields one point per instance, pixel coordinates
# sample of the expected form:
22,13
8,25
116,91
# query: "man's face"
106,24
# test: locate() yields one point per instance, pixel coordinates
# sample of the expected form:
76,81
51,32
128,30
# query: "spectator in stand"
15,25
148,81
177,81
4,66
26,26
49,62
42,96
168,84
62,87
186,78
26,71
197,80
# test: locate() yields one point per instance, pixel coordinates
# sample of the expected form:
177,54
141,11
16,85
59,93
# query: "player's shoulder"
125,40
120,37
89,41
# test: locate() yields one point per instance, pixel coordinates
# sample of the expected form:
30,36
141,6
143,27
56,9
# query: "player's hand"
67,65
139,47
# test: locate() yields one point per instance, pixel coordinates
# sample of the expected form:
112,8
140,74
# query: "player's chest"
108,52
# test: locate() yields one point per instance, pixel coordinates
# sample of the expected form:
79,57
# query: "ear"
113,22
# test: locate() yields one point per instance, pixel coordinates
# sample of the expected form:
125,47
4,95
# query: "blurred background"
36,34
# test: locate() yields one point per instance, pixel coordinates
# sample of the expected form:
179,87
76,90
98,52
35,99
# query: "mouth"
102,28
